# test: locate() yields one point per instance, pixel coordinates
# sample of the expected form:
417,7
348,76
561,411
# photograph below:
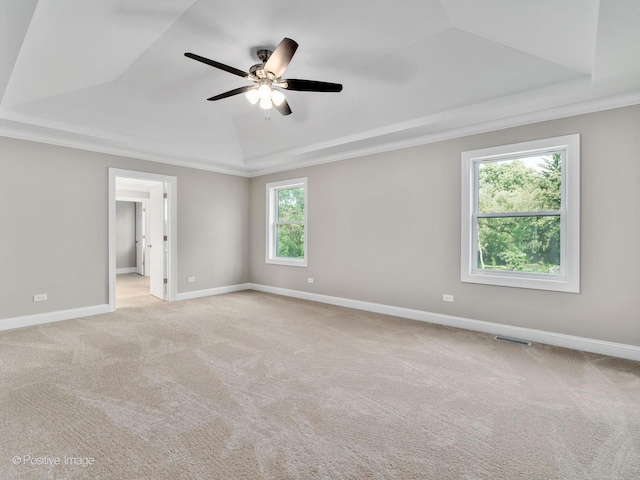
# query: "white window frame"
568,280
272,215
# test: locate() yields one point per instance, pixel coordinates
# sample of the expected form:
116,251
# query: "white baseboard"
602,347
126,270
213,291
40,318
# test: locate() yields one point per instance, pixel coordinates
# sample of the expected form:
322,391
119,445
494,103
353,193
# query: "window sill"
537,282
291,262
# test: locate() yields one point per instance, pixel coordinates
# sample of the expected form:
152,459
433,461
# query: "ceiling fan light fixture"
265,103
253,96
277,97
264,91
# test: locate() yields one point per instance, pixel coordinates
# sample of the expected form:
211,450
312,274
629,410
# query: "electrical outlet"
191,279
40,297
309,280
447,298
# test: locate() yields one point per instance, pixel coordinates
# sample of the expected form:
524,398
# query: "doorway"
133,275
156,208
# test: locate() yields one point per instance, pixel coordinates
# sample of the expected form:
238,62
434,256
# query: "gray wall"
125,234
385,228
54,226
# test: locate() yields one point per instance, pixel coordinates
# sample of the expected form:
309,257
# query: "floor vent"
513,340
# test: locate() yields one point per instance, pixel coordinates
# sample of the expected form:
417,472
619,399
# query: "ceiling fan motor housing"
257,71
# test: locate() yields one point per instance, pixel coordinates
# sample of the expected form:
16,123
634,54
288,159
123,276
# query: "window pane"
291,205
521,244
522,185
290,241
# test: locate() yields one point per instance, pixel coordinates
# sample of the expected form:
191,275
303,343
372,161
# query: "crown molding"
275,164
25,128
121,151
486,117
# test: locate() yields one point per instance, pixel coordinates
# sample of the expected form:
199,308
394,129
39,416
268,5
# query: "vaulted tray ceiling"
111,76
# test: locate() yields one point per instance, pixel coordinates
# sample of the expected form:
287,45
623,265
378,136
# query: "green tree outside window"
531,189
290,223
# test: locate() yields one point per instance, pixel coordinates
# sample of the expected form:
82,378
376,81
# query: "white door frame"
157,251
172,223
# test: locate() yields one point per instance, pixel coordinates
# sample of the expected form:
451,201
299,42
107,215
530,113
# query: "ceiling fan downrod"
264,55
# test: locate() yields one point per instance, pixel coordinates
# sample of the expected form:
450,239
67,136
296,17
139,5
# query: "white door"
156,240
147,236
139,239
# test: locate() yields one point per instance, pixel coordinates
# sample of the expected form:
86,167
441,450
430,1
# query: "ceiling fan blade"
283,108
310,86
231,93
219,65
281,56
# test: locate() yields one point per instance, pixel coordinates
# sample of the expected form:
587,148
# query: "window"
521,215
287,222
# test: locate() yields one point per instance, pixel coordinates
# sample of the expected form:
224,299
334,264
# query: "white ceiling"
111,75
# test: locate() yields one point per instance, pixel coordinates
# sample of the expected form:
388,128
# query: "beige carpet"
252,386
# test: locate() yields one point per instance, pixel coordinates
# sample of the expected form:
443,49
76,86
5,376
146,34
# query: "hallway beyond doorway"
132,290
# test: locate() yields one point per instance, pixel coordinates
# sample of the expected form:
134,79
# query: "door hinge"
165,195
165,281
165,238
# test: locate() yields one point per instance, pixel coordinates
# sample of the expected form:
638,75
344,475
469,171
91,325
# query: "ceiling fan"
267,79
